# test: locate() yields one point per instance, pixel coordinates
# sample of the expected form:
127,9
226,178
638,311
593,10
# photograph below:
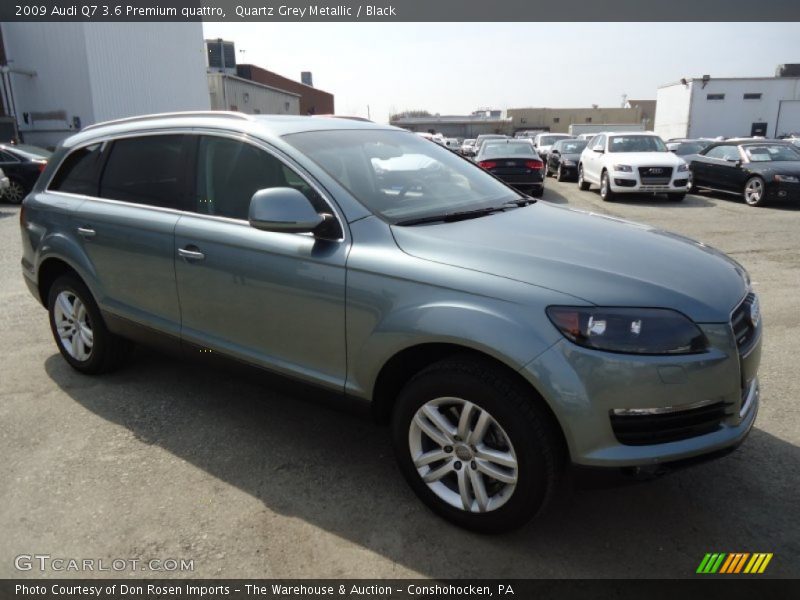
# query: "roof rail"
224,114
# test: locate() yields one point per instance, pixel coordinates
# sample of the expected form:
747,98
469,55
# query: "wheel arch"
401,367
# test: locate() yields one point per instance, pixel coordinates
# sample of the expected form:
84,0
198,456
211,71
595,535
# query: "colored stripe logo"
734,563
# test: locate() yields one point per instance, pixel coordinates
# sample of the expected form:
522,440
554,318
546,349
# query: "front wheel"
560,174
79,330
475,446
754,192
583,185
15,193
605,188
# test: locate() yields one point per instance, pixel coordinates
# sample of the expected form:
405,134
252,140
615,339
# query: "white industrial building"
729,107
229,92
60,77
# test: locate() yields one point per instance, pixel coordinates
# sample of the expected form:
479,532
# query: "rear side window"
79,171
146,170
229,172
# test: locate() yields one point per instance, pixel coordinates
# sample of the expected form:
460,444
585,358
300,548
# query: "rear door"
127,229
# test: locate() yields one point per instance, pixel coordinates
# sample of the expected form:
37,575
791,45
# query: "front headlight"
683,167
629,330
786,179
623,168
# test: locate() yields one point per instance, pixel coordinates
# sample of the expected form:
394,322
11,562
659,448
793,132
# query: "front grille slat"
642,430
655,175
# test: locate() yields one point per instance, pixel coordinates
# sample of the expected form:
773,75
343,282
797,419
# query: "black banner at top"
242,11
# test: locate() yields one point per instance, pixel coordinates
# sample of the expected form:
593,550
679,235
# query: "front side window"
636,143
599,142
399,176
723,152
230,171
146,170
79,172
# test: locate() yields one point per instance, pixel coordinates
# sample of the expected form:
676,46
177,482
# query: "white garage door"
789,117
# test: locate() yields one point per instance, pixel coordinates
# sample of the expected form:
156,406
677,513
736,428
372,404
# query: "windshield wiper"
524,201
453,216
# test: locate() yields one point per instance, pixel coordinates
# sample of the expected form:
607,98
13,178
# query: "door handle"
86,232
191,253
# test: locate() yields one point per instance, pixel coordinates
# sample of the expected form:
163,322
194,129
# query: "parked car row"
21,165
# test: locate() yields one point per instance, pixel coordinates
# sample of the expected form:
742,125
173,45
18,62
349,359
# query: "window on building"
752,96
146,170
556,119
79,171
715,97
588,119
524,121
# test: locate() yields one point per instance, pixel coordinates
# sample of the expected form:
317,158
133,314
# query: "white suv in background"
622,163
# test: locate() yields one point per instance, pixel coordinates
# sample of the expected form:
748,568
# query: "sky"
455,68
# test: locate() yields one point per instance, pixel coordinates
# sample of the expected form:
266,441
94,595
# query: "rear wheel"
754,192
583,185
475,446
79,330
537,192
605,188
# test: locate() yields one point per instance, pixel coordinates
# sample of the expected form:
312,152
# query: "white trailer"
578,128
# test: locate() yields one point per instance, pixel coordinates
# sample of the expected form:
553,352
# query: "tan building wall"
558,120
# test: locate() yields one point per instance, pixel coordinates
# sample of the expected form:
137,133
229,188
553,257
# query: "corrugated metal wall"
139,68
233,93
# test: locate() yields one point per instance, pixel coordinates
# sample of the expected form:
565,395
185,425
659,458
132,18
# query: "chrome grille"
655,175
743,329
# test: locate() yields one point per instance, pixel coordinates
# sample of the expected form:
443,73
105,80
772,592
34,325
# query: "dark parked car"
564,157
759,170
22,165
515,162
687,147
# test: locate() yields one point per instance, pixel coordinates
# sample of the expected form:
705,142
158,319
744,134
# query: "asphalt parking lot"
167,460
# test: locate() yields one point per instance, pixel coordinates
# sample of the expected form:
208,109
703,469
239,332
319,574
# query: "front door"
272,299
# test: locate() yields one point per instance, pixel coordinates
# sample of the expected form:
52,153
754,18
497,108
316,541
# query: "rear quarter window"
79,172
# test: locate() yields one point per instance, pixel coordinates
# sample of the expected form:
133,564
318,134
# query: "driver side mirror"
598,149
283,209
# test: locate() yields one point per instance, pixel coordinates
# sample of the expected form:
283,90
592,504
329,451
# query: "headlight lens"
629,330
787,179
623,168
682,168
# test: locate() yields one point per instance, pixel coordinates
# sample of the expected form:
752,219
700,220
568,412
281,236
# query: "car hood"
636,159
599,259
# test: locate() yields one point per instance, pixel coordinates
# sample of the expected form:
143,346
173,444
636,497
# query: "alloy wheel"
73,327
15,193
754,191
463,454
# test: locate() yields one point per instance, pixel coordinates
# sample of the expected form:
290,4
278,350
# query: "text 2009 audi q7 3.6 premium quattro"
502,338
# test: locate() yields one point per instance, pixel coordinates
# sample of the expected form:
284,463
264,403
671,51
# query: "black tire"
537,192
108,351
560,174
605,188
750,198
530,429
583,185
676,197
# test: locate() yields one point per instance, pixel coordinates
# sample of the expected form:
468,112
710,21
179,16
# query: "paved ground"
166,460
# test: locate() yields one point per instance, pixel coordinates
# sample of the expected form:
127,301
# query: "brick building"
313,101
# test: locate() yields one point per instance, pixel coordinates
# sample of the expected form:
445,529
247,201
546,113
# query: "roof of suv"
266,125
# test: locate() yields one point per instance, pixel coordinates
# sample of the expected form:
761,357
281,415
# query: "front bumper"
631,183
588,389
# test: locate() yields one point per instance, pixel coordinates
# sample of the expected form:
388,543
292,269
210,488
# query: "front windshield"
570,146
400,176
771,152
636,143
501,149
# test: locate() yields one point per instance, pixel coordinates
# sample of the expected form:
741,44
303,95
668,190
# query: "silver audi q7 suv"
502,338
